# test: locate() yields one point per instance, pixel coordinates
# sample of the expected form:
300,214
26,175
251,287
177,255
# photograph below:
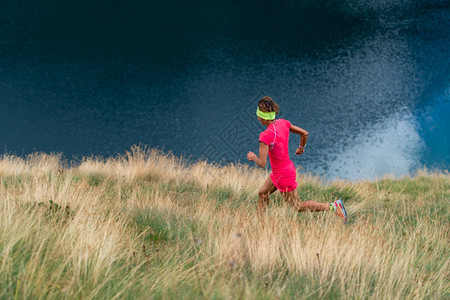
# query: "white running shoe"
339,209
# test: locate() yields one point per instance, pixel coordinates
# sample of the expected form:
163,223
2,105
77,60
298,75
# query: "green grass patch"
163,226
310,191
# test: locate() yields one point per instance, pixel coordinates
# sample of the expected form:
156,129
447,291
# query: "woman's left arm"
262,159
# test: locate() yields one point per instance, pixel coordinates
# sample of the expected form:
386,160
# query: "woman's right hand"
299,151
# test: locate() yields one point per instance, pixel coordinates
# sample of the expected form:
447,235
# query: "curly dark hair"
266,104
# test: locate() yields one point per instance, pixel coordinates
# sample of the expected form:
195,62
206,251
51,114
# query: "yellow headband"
265,115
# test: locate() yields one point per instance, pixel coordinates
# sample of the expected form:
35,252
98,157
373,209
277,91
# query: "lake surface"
369,80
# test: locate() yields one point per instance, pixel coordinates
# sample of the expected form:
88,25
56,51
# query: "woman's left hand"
251,156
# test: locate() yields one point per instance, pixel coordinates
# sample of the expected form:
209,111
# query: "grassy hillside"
148,226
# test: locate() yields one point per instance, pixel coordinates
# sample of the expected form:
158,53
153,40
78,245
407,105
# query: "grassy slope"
146,225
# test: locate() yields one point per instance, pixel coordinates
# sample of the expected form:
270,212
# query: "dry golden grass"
149,225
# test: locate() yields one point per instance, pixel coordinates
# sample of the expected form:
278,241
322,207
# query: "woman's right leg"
267,189
293,199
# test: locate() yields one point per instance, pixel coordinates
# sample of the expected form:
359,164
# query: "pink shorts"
284,182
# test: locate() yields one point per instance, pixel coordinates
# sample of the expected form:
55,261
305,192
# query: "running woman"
275,141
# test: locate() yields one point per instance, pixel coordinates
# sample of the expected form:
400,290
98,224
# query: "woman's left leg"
267,189
293,199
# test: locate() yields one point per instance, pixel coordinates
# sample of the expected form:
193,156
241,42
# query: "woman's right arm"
303,138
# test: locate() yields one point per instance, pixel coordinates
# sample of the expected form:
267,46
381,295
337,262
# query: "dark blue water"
370,80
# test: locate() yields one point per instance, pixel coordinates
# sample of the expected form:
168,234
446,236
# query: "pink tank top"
276,136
